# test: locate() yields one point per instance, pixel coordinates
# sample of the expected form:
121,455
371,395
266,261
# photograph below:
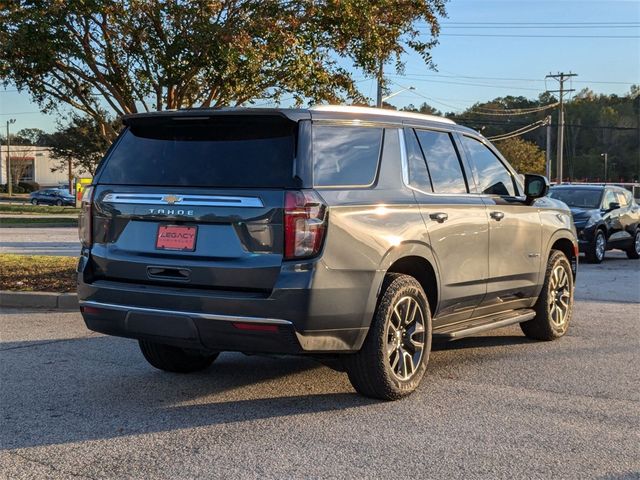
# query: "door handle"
439,217
497,215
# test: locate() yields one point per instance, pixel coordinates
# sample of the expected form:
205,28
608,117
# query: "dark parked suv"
606,217
346,233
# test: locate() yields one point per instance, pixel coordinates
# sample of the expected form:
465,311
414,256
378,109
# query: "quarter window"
492,176
345,155
442,161
418,173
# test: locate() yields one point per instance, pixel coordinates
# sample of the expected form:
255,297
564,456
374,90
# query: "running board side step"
482,324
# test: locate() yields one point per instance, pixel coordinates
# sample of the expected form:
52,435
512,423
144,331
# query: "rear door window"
345,156
221,152
442,161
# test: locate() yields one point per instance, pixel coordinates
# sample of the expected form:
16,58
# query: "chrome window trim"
205,316
182,200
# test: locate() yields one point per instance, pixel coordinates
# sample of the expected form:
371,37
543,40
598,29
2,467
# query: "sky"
487,49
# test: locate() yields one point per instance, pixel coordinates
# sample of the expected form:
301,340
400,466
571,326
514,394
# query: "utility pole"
606,158
548,166
9,179
561,78
380,75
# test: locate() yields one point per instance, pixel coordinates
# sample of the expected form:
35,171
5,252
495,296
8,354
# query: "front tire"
34,201
596,250
175,359
555,303
633,252
394,356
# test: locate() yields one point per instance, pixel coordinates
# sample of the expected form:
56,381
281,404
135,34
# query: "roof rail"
379,111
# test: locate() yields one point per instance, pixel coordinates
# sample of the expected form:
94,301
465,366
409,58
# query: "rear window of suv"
224,152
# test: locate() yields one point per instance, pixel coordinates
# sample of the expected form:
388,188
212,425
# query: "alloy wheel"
637,242
600,246
405,338
559,295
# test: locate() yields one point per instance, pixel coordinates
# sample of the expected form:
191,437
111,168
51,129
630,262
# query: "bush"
22,187
29,187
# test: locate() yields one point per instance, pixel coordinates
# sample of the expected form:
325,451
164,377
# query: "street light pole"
396,93
606,157
9,179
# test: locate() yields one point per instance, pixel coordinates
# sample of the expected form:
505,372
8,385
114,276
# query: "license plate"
176,237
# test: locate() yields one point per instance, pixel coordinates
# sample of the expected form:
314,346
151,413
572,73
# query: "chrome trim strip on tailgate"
179,200
206,316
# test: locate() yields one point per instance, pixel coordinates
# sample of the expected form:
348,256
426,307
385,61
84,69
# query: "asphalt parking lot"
40,241
80,405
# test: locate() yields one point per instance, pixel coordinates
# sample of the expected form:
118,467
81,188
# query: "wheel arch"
415,259
567,245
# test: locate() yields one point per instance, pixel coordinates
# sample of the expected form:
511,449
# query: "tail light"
85,223
305,224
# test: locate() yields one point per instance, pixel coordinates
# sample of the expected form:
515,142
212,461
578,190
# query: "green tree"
126,56
525,157
79,145
424,108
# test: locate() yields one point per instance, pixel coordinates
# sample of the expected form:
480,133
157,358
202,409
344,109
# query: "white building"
35,165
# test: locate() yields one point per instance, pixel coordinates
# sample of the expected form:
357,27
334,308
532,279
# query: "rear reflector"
90,310
256,327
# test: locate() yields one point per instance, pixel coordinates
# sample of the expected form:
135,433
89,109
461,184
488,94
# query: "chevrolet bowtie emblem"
171,199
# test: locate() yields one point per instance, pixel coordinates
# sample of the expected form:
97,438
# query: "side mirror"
613,206
535,186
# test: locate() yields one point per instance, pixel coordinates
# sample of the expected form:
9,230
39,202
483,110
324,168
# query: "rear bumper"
310,310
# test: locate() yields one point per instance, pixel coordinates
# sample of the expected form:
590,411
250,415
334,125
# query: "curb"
48,300
39,225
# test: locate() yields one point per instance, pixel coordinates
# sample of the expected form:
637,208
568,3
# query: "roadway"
75,404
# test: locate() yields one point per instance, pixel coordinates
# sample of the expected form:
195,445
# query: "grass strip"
37,273
25,221
43,209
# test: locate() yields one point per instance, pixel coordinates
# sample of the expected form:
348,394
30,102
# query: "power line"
509,112
486,85
498,35
498,123
539,23
473,77
520,131
21,113
519,27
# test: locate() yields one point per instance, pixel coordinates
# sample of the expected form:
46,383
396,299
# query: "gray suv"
350,234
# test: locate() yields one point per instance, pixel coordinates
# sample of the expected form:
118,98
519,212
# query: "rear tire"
175,359
555,303
395,353
596,250
34,202
633,252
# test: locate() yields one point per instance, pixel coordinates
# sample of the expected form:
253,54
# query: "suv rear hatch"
195,201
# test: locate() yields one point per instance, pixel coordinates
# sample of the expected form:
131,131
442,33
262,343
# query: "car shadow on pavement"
101,387
94,388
